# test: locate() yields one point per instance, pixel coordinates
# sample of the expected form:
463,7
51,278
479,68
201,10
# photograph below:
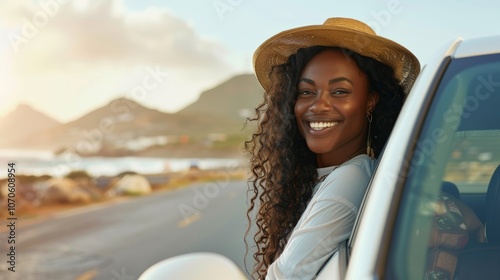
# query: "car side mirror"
193,267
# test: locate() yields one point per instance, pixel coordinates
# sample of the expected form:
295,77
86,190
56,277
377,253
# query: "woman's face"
332,107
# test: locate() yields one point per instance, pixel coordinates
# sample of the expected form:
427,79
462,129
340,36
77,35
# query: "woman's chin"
319,149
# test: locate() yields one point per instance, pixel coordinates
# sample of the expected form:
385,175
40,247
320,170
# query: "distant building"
142,142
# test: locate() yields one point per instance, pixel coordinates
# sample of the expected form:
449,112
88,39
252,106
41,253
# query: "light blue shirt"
327,221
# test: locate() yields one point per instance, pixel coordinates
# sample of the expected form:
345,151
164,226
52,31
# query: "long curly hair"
282,166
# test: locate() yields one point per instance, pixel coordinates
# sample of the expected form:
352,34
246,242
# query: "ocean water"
38,163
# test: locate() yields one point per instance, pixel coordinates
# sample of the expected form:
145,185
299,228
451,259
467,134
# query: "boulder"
62,190
130,184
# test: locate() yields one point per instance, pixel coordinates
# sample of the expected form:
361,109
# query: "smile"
322,125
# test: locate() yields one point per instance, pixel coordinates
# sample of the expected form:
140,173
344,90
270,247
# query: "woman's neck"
340,160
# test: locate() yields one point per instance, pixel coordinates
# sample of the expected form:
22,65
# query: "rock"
63,190
130,184
88,185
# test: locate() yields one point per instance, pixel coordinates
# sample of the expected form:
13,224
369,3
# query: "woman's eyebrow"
306,80
340,79
332,81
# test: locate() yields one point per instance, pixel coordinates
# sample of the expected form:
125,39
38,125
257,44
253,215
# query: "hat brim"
277,49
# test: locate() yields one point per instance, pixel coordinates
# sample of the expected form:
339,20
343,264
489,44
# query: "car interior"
476,155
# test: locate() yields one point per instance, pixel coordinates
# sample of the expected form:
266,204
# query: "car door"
431,209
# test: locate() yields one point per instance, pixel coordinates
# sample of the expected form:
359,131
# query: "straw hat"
336,32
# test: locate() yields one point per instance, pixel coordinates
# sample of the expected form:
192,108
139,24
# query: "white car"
432,209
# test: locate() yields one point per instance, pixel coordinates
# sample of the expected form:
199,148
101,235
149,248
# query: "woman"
333,93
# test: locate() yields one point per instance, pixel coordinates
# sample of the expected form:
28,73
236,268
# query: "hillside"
119,120
117,112
22,122
236,98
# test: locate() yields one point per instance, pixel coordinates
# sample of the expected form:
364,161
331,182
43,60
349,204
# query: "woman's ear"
372,101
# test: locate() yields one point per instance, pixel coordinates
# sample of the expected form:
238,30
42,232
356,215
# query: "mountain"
217,118
122,116
120,120
22,122
235,99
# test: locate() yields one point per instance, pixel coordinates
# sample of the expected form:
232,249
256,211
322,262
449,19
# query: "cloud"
106,31
54,42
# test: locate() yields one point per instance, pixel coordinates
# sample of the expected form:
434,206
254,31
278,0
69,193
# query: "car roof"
478,46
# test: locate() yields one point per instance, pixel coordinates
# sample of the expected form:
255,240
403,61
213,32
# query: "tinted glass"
443,211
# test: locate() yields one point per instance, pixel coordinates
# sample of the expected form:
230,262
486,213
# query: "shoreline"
112,166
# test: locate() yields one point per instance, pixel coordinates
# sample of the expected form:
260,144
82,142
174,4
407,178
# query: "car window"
473,160
444,205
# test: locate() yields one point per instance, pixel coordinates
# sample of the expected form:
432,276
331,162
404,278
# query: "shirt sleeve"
327,221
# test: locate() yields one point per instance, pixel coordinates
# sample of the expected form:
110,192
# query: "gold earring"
369,149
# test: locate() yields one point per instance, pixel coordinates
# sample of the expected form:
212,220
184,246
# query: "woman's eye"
340,91
305,92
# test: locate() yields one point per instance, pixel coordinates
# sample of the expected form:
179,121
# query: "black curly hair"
283,168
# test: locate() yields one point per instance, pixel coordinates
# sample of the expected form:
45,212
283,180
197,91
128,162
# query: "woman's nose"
321,103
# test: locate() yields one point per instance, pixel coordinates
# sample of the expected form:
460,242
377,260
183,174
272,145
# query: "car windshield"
450,171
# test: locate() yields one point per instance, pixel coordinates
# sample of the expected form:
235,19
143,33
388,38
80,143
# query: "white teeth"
322,125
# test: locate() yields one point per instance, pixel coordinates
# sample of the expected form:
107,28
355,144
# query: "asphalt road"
118,241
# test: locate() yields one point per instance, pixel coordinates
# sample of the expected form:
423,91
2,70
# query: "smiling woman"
331,107
333,93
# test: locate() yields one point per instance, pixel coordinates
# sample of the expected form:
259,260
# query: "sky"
65,58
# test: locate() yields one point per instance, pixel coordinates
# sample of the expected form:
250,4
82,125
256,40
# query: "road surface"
118,241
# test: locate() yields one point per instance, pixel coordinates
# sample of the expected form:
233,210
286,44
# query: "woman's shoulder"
349,178
359,164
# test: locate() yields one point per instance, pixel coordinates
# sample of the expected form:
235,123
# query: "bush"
78,174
